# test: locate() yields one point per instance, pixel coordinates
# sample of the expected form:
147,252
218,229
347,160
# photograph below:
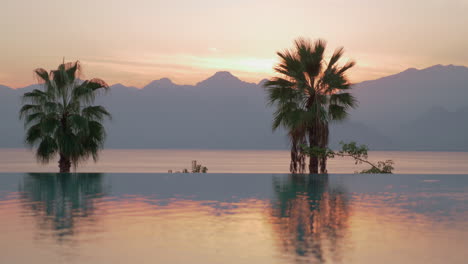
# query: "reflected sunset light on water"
233,218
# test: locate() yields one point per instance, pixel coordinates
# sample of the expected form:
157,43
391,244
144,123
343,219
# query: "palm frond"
33,117
46,150
87,91
28,109
95,113
78,123
42,75
35,96
335,57
337,112
344,99
49,124
346,67
33,135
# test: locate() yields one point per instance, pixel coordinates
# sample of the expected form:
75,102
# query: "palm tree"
309,95
61,119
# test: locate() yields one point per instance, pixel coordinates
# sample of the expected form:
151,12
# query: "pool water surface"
233,218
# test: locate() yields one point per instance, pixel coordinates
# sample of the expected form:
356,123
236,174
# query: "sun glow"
181,68
135,44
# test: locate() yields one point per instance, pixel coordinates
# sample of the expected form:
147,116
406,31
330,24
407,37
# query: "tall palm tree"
61,119
310,94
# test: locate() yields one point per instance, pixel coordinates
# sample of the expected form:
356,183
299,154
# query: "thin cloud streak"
185,69
202,37
191,69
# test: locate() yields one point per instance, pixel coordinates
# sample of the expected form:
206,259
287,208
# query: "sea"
233,161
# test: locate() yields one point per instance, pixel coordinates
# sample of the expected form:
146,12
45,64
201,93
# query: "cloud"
183,67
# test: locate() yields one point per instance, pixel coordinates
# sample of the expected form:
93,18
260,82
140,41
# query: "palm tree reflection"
58,200
310,217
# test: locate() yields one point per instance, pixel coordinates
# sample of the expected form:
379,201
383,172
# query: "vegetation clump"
196,168
358,153
200,169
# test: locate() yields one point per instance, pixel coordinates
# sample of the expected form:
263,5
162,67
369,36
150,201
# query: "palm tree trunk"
323,165
64,164
313,160
313,165
324,145
64,161
297,164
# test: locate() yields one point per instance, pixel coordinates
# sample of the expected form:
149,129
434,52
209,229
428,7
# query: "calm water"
232,161
233,218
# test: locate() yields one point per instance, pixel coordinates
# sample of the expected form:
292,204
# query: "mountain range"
423,109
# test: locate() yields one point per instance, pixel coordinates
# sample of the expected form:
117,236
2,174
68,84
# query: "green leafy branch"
357,152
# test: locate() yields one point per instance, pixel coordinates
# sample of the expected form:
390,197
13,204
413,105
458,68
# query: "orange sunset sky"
135,42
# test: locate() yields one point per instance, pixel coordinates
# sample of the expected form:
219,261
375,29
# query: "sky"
135,42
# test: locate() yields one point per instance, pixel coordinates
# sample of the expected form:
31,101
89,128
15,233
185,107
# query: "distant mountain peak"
223,74
449,67
163,82
262,82
4,87
414,73
410,70
120,86
166,81
437,67
220,78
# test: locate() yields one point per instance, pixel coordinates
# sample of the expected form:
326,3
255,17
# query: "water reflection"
59,201
216,218
311,217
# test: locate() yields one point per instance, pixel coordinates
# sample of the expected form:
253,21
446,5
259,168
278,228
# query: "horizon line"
256,83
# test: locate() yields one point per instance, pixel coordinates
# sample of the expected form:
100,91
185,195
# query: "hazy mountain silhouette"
413,110
401,98
444,129
5,89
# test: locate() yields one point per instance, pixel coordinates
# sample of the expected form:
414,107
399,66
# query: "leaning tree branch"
357,158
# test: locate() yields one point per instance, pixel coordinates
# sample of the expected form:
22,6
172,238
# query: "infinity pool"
233,218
